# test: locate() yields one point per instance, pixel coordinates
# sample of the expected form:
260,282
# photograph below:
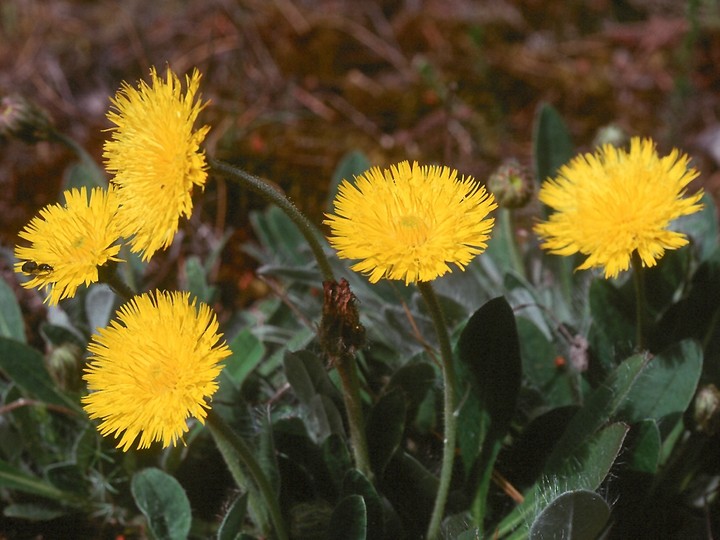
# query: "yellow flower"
410,222
612,203
68,242
156,158
153,368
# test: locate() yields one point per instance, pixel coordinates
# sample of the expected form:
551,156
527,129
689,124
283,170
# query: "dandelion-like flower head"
156,158
615,202
153,368
410,222
69,242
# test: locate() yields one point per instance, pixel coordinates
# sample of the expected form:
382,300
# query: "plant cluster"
423,372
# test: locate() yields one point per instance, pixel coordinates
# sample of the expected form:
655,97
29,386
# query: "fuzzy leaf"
356,483
552,144
26,367
574,515
349,520
384,430
11,321
163,502
233,521
666,385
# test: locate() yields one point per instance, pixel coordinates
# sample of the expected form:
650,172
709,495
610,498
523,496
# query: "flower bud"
511,184
707,409
64,366
611,134
24,120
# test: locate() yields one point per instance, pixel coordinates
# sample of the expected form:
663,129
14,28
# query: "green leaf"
247,352
600,406
415,380
702,227
645,447
411,490
696,315
553,385
232,523
15,479
68,477
352,164
666,386
665,279
488,368
349,520
574,515
328,419
279,235
33,511
163,502
337,459
197,281
384,430
26,367
552,144
613,315
84,173
308,377
355,483
11,320
99,306
586,469
526,457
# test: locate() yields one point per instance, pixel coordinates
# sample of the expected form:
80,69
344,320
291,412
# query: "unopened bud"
24,120
610,134
707,409
511,184
63,364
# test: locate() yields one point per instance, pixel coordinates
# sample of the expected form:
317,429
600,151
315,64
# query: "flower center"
412,230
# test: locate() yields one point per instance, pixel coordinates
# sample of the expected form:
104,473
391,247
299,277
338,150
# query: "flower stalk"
263,188
641,322
234,448
341,335
450,417
347,369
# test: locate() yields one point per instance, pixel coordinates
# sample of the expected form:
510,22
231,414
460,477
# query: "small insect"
35,269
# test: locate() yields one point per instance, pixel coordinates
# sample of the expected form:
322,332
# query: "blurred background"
296,84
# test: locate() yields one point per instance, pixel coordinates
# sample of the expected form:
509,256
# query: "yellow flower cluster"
157,364
156,158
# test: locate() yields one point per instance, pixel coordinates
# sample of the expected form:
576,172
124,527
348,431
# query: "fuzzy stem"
508,225
260,186
450,418
347,369
226,438
108,274
640,301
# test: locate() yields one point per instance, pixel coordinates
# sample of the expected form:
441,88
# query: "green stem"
347,369
506,222
260,186
640,301
449,408
108,274
232,446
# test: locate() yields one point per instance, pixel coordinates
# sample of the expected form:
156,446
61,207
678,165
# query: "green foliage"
574,515
553,397
163,502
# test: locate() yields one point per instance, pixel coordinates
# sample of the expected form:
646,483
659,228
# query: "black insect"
35,269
